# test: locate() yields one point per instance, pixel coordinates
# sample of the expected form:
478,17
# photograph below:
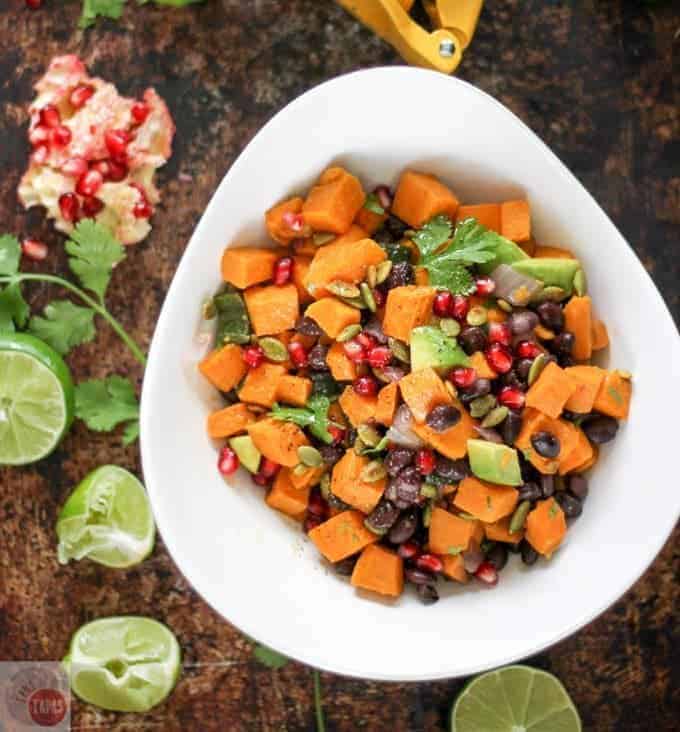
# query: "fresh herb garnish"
103,404
93,9
372,204
269,657
64,326
314,416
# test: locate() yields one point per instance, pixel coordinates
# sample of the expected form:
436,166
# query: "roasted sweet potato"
277,440
449,534
307,479
370,221
347,485
332,315
277,223
422,391
229,421
546,526
516,220
578,320
566,433
224,368
487,214
288,499
551,391
486,501
359,409
407,308
300,270
479,363
294,390
333,203
388,398
613,397
342,536
380,570
581,454
600,335
552,253
342,367
344,261
248,266
261,384
451,443
454,568
588,380
419,197
272,309
500,531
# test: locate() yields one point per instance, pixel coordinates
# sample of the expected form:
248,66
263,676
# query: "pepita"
367,295
545,334
373,472
409,233
343,289
273,349
325,486
624,374
348,332
504,305
481,406
353,302
369,435
309,456
427,490
359,446
399,350
477,316
371,276
382,271
381,376
450,326
322,237
451,389
537,366
552,293
580,283
209,310
519,517
300,469
495,417
427,514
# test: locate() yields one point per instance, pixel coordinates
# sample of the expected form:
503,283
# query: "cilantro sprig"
113,9
314,416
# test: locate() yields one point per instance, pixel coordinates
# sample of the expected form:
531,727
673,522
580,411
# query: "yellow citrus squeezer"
442,49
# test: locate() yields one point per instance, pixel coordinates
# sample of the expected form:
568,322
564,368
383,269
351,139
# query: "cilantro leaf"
94,252
171,3
453,277
314,416
64,326
10,254
372,204
131,432
269,657
433,234
14,310
103,404
93,9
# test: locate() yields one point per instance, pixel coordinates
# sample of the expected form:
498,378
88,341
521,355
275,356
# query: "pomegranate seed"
80,95
140,111
379,297
89,183
142,210
103,166
354,351
365,386
69,207
527,349
49,116
311,522
485,286
295,222
408,550
228,461
367,340
499,358
379,357
116,171
38,135
74,167
429,563
33,4
500,333
116,143
511,397
34,249
253,356
269,468
337,433
298,354
261,479
463,377
460,307
283,270
317,505
60,136
487,574
442,304
384,196
425,461
92,206
40,154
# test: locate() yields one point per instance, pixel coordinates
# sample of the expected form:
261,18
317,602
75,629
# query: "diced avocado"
552,272
233,324
507,252
432,347
493,462
248,454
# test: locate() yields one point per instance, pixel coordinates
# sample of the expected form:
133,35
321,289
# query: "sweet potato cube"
449,534
600,335
422,277
551,391
500,531
294,390
578,318
332,315
248,266
272,309
454,568
407,308
613,397
451,443
479,363
566,433
346,261
486,501
333,203
342,367
420,196
300,270
369,221
275,220
288,499
582,453
552,253
261,384
354,233
358,408
229,421
546,526
588,380
342,536
277,440
305,480
388,398
380,570
516,220
487,214
347,485
423,390
224,368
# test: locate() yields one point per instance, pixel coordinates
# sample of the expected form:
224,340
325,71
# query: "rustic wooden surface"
599,81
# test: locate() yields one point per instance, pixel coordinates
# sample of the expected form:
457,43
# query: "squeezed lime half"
108,519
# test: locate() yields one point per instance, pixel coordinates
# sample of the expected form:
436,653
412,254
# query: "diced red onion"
401,433
472,557
510,283
488,434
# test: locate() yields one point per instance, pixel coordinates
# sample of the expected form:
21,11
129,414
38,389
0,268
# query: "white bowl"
254,566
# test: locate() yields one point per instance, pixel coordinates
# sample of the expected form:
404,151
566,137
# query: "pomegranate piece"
228,461
487,574
463,377
268,467
60,136
39,135
140,111
89,183
283,270
527,349
367,340
379,357
34,249
354,351
408,550
511,397
460,307
49,116
116,142
295,222
80,95
384,195
33,4
69,207
485,286
261,479
499,358
425,461
337,433
379,297
74,167
311,522
116,171
429,563
317,505
365,386
142,210
40,154
298,354
500,333
443,302
92,206
253,356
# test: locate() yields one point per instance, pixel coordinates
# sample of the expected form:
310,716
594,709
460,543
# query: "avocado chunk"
507,252
493,462
248,455
233,324
432,347
552,272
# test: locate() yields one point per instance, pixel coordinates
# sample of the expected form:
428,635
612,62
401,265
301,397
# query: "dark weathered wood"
598,81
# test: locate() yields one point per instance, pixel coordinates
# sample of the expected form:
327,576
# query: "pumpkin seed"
519,517
354,302
381,376
451,389
552,293
325,486
409,233
369,435
309,456
504,305
481,406
427,514
343,289
253,340
348,332
273,349
624,374
450,326
209,311
322,237
300,469
495,417
580,283
359,446
399,350
373,472
371,276
477,316
427,490
382,271
537,366
367,295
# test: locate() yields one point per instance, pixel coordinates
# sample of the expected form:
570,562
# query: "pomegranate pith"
40,154
39,135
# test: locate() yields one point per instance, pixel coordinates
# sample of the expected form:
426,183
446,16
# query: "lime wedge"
108,519
515,699
36,399
126,664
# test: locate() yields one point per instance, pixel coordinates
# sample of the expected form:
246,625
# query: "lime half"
515,699
108,519
126,664
36,399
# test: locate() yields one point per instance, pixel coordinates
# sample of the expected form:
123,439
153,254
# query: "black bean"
563,344
571,505
565,361
428,594
513,548
529,492
523,367
335,502
545,444
528,471
404,490
481,387
578,485
547,485
452,470
498,556
512,378
331,454
382,517
404,527
398,459
374,328
401,274
345,567
393,373
551,315
443,417
418,577
522,321
307,326
395,226
511,427
472,339
600,429
529,554
571,416
317,358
